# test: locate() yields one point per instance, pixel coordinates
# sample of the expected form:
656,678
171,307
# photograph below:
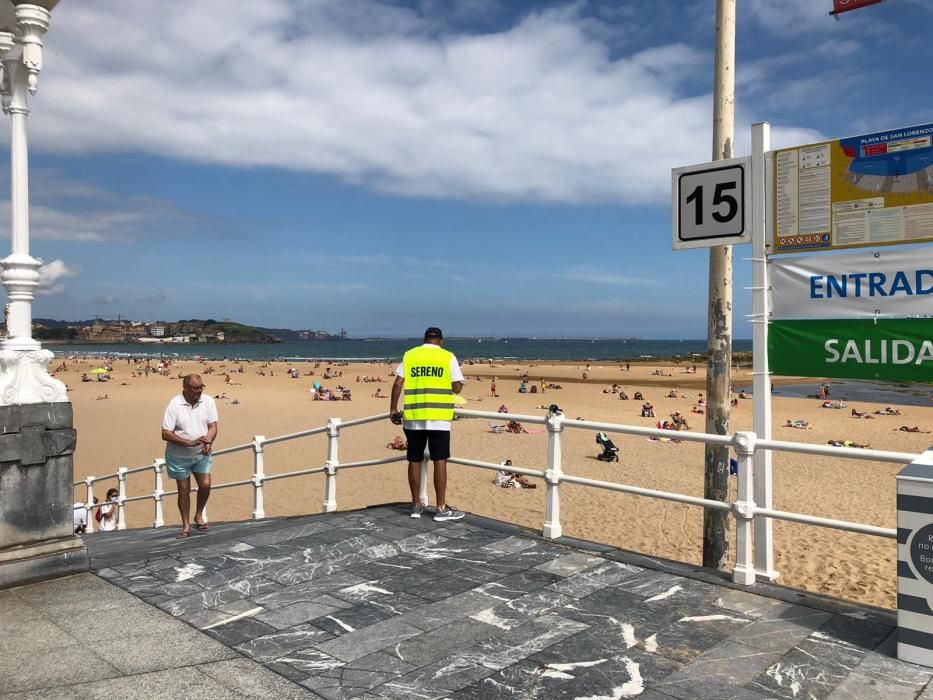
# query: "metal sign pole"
761,386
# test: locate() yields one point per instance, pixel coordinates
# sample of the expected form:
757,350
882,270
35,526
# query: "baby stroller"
610,452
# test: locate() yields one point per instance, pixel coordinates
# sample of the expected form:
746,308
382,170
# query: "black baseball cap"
434,332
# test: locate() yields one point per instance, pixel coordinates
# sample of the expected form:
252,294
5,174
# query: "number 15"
719,198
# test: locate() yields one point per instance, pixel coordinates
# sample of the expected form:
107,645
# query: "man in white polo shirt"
189,427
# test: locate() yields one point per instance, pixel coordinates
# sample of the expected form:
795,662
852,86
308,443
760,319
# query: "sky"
493,167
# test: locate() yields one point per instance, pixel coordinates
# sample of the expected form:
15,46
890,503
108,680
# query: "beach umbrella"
98,370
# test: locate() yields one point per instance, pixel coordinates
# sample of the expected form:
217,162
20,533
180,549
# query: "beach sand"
124,430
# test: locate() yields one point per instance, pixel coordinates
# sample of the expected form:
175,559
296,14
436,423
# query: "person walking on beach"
429,376
189,427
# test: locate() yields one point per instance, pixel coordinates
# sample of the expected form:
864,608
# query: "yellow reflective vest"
428,392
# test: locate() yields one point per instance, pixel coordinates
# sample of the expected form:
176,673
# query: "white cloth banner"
890,283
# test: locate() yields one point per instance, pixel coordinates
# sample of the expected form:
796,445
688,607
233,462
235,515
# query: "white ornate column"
24,376
37,539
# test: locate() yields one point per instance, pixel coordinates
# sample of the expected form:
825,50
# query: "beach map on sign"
875,189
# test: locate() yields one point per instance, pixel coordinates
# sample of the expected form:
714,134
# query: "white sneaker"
448,514
416,510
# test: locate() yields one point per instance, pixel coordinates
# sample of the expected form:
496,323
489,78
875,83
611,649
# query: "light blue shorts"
180,468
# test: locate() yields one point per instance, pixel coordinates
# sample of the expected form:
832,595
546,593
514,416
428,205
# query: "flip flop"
182,535
200,526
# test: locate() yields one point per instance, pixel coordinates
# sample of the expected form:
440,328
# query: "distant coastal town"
99,331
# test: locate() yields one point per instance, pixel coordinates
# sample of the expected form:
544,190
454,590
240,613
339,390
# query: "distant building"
157,330
316,335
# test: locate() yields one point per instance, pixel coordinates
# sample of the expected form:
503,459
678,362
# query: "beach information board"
869,190
859,315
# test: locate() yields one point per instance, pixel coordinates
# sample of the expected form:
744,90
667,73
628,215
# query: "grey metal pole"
719,325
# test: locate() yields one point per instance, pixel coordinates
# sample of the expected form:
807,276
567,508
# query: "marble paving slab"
373,604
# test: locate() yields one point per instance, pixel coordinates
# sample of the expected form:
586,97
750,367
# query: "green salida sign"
865,315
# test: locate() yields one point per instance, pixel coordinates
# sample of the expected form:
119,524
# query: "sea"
504,349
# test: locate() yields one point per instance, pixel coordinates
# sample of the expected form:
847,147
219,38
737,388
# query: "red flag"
840,6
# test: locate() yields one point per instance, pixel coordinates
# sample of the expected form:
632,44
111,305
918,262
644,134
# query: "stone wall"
37,443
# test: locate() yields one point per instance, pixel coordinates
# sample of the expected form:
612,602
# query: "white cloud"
375,94
62,209
50,276
840,48
591,276
791,16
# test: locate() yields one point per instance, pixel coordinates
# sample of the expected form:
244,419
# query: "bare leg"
414,481
204,492
184,503
440,483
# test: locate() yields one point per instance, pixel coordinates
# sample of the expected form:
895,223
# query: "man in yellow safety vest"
429,376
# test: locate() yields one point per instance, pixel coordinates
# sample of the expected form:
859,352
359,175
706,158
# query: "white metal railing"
751,561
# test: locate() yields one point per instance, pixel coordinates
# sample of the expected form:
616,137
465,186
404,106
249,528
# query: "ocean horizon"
363,350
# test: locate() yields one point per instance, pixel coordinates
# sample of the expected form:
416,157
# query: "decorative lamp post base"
24,375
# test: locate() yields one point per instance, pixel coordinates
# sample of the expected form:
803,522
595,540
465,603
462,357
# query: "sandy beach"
123,429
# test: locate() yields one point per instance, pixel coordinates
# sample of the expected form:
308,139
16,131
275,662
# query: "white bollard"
555,426
157,467
121,498
259,475
744,510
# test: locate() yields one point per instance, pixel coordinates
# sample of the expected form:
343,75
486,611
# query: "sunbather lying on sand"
861,414
847,443
801,423
915,429
399,443
888,411
511,480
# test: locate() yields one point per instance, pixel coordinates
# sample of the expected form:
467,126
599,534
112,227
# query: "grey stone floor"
373,604
81,637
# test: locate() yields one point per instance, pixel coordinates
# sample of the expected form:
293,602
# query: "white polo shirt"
189,422
456,375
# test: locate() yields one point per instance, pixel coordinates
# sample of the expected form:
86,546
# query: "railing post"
121,498
330,466
744,509
555,426
157,466
424,476
259,475
89,481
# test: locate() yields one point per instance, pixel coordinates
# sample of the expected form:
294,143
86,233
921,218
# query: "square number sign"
709,203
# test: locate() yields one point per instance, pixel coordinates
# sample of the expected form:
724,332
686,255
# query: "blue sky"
489,166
